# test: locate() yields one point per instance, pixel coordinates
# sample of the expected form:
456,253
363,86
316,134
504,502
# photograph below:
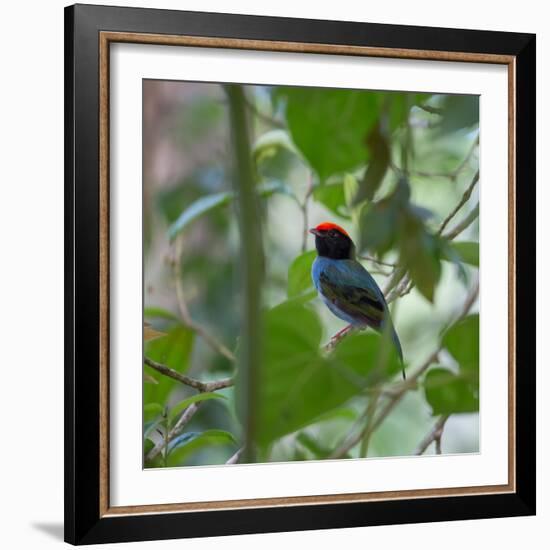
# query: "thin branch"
185,314
400,283
467,194
453,175
403,287
431,110
264,117
464,224
407,385
338,337
376,261
374,271
371,409
183,420
192,382
410,383
435,435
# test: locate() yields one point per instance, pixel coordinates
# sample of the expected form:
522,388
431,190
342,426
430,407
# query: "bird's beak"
314,231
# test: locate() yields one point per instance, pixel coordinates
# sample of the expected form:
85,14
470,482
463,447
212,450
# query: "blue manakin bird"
346,287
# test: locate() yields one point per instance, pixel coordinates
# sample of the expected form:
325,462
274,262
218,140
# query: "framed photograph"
300,276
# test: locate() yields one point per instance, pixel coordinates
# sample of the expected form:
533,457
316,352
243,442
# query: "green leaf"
381,222
459,111
330,126
303,298
183,446
270,142
351,187
448,393
313,446
462,342
419,252
150,410
398,110
159,313
333,198
298,384
148,379
197,209
299,274
455,393
340,413
268,188
378,166
147,446
150,427
172,350
450,254
182,405
211,202
365,359
468,252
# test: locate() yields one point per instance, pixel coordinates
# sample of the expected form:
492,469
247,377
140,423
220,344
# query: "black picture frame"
84,523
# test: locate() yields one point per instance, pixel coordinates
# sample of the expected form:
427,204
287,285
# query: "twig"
398,274
400,283
371,409
434,435
338,337
449,175
380,272
165,437
192,382
467,194
264,117
407,385
431,110
388,407
404,287
376,261
235,458
185,314
176,430
464,224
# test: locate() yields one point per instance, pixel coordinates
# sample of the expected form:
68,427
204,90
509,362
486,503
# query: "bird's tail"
397,344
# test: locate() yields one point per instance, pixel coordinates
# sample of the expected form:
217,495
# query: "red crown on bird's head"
327,226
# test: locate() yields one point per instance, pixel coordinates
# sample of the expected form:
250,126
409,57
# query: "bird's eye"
332,233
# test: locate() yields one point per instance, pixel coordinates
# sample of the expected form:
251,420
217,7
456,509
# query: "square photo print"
367,208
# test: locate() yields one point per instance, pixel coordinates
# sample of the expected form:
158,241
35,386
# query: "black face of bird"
331,243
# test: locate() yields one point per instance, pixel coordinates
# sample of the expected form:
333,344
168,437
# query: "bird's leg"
341,333
338,336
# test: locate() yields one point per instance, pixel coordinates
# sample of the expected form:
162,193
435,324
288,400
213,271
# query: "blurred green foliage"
390,167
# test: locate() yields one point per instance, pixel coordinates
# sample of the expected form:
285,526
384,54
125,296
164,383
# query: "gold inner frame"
105,39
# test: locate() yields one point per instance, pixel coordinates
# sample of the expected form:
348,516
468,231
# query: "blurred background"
399,171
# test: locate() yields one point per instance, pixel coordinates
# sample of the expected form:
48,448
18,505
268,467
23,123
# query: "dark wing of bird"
353,290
